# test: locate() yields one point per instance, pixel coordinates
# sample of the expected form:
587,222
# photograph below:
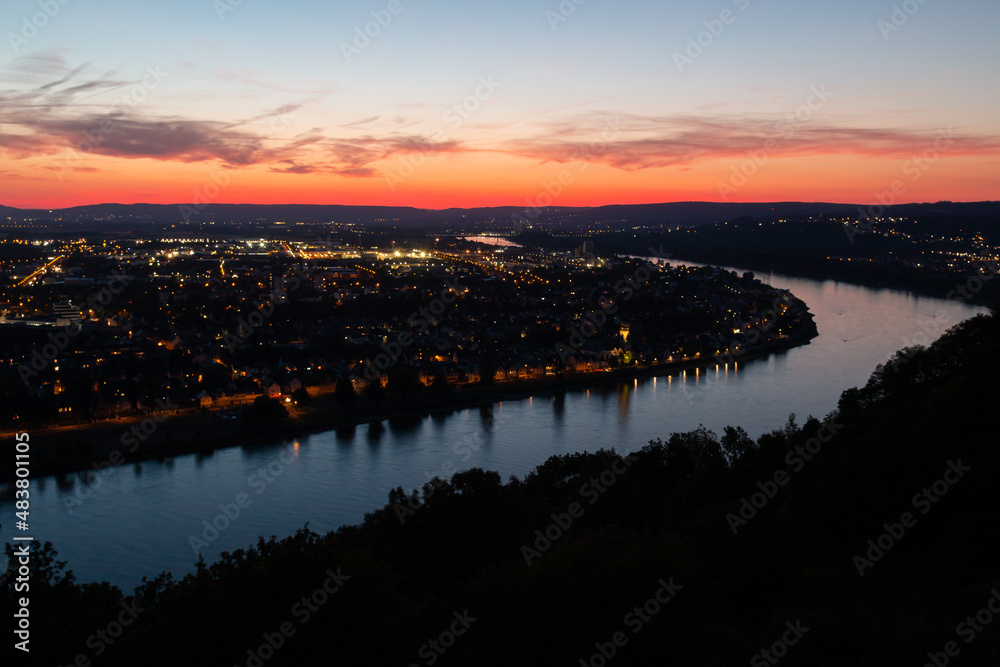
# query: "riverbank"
961,288
70,449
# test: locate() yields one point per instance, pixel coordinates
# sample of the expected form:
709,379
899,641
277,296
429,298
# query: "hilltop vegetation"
872,533
923,250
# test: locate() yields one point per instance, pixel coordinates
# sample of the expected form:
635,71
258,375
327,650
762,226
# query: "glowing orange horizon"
483,181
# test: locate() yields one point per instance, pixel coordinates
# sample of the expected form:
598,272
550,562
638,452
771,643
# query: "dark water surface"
140,519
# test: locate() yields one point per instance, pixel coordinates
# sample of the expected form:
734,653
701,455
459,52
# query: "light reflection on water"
138,522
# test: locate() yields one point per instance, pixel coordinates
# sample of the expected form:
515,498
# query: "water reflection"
624,392
149,509
375,432
258,454
559,407
487,416
405,424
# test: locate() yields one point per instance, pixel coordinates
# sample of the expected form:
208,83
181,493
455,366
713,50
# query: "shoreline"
67,450
978,299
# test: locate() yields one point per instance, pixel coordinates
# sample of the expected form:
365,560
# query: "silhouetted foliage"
344,394
265,409
602,530
404,380
375,393
301,396
441,387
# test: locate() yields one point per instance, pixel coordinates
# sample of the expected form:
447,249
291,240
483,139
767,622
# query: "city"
111,329
539,333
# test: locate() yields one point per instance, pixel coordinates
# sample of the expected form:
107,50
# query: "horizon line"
516,206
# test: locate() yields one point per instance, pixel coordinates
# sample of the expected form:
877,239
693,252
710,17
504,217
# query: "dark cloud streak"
44,117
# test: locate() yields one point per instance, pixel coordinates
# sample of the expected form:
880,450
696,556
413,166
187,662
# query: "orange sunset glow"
727,121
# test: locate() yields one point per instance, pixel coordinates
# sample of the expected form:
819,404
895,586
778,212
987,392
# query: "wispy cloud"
363,121
45,109
46,117
253,79
644,142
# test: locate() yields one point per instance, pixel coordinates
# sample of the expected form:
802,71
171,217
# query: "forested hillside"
868,538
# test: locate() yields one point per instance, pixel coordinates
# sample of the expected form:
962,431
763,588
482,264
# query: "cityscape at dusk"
548,333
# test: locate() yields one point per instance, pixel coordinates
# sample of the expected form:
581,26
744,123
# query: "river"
143,519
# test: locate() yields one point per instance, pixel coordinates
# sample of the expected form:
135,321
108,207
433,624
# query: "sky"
441,103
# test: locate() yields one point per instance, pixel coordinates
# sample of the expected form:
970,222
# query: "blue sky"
234,66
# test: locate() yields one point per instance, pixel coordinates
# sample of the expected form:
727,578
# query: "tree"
344,393
487,373
404,380
695,451
375,393
301,396
735,443
441,386
475,479
264,409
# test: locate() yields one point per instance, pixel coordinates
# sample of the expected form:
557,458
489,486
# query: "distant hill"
616,216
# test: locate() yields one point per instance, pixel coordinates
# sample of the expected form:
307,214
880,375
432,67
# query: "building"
65,310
